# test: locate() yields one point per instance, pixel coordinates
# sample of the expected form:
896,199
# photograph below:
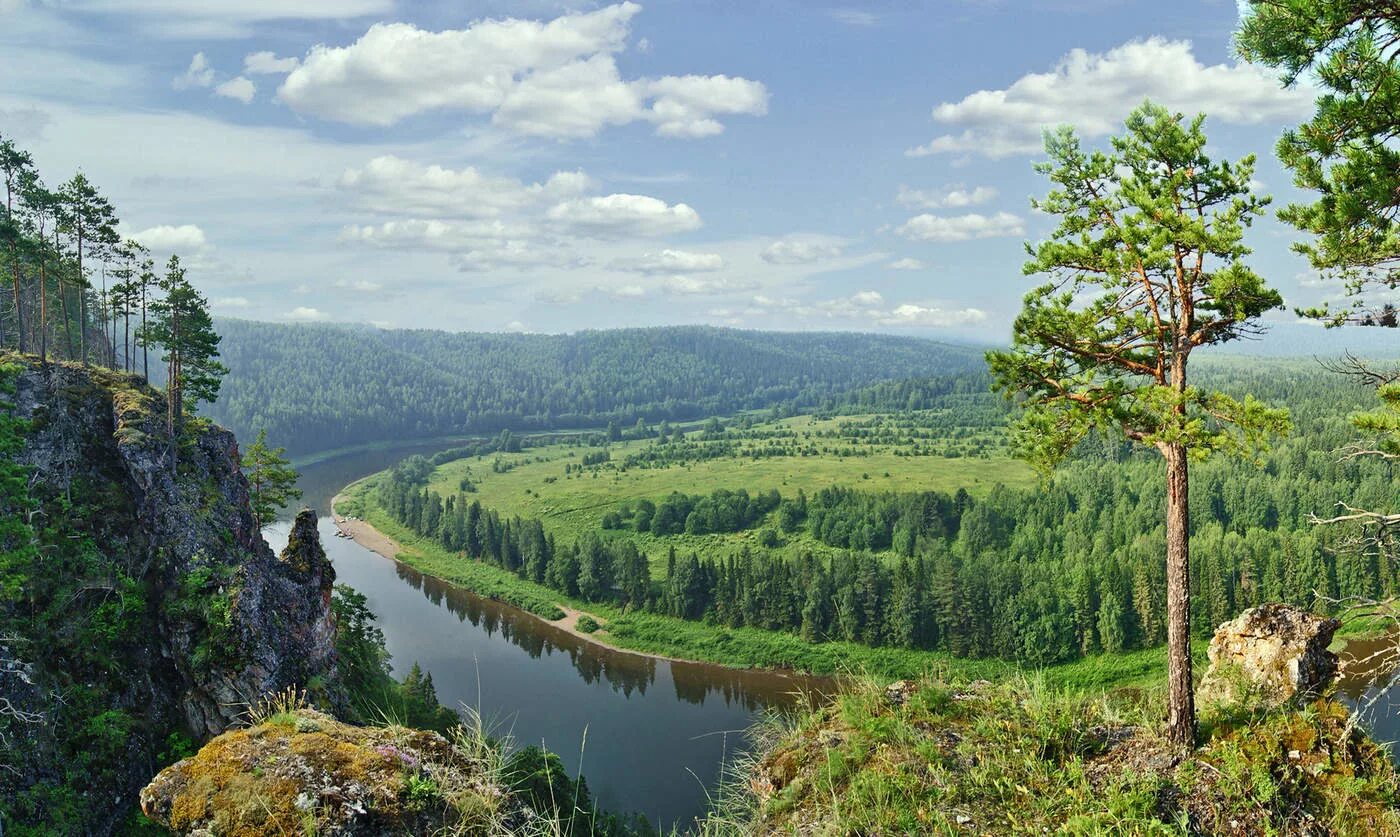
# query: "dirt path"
376,541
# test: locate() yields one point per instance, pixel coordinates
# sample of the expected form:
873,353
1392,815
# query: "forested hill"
318,387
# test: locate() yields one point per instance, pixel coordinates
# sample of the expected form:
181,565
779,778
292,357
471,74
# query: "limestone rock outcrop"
1273,653
162,551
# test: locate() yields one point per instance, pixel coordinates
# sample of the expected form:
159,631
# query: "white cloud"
670,261
910,314
267,63
952,197
907,264
230,302
865,307
392,184
1095,91
226,18
685,106
557,79
362,285
690,285
198,74
238,88
621,215
928,227
853,17
166,238
802,250
433,234
306,315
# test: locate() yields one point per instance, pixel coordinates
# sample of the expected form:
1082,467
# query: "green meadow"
550,483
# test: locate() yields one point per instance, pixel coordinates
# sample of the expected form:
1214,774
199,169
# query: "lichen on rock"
304,772
1273,653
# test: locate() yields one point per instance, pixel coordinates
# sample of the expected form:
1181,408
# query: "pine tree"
271,480
1146,265
183,327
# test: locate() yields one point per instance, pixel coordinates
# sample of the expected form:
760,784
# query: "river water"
650,735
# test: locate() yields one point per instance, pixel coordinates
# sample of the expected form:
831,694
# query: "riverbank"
366,535
669,638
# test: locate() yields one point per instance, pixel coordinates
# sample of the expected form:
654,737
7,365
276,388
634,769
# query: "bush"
586,624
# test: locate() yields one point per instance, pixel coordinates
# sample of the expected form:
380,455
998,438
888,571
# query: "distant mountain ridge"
317,387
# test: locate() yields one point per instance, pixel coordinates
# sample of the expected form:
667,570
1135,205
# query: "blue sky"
553,166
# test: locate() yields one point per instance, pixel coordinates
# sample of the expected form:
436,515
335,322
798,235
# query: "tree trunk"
19,300
43,315
145,356
1181,705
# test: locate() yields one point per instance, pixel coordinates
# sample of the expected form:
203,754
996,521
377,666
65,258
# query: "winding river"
651,736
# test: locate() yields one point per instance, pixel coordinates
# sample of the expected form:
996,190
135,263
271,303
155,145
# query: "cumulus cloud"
685,106
620,215
907,264
670,261
951,197
440,235
198,74
392,184
186,238
911,314
928,227
1093,91
305,314
558,79
238,88
363,286
229,302
690,285
802,250
867,307
267,63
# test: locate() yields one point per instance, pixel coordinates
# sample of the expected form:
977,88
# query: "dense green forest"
1042,575
318,387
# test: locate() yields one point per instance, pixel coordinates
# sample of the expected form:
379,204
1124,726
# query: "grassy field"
550,483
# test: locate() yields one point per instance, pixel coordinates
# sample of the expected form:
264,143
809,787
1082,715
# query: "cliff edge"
141,611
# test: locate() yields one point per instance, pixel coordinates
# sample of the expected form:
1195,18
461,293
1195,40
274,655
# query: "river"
650,735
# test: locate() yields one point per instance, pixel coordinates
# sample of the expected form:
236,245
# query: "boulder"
1272,653
300,771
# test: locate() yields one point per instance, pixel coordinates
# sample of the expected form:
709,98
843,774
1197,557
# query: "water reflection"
624,672
650,734
1369,684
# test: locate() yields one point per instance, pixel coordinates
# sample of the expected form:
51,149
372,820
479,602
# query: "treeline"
317,387
696,514
74,289
1041,575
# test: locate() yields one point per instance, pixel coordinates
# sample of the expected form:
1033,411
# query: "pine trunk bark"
1181,706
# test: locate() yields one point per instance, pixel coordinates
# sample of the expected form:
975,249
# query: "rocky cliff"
140,609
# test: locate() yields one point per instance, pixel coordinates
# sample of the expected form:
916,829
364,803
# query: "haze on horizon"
555,166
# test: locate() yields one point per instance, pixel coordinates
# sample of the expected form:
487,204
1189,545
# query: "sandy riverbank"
376,541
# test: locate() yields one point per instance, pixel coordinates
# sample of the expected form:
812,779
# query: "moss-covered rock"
303,772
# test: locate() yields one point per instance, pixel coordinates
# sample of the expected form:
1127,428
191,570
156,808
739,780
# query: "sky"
555,166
